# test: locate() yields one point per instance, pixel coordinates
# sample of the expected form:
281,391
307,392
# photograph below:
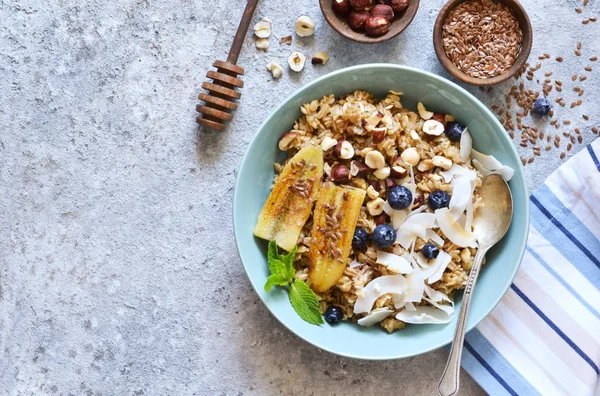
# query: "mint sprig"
303,299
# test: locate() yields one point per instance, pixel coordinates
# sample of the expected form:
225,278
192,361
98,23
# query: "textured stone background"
118,269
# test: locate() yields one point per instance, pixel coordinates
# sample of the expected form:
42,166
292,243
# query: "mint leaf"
289,263
305,302
276,280
273,256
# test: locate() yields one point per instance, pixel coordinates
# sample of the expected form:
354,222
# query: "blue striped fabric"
543,338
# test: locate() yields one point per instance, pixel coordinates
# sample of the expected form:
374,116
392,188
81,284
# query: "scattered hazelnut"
344,150
341,6
375,184
262,29
365,151
423,111
378,134
425,165
305,26
377,26
381,219
275,69
286,139
296,61
410,156
262,43
374,160
439,117
397,172
360,5
433,127
320,58
375,206
357,19
358,169
328,143
465,255
442,162
397,5
382,173
372,193
286,40
383,10
415,135
340,173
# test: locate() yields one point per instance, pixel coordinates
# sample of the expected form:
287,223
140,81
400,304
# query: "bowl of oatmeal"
365,181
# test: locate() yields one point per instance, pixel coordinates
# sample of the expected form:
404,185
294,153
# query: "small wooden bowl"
525,25
340,25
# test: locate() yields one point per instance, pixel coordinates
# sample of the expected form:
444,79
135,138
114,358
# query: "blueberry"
430,251
541,106
360,240
454,130
438,199
384,235
333,314
399,197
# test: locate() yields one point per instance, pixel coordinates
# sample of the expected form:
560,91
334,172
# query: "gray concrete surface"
118,269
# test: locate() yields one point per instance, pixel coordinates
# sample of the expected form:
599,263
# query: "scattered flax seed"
523,144
572,139
576,89
556,144
530,160
582,78
559,99
577,52
566,134
577,131
567,122
585,2
547,56
585,21
574,77
562,155
551,113
559,88
585,117
578,10
580,139
569,146
548,148
593,19
573,104
581,93
579,102
593,58
579,45
588,68
594,129
542,57
548,74
558,82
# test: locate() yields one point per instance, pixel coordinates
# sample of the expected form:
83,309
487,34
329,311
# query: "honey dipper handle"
238,40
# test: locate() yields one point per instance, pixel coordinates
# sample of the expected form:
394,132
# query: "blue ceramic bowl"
256,173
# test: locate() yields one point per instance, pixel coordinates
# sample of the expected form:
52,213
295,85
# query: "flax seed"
530,160
574,77
594,129
593,59
548,148
542,57
567,122
559,59
569,146
593,19
585,2
551,113
562,155
580,139
572,139
585,117
556,144
588,68
582,78
585,21
578,10
577,131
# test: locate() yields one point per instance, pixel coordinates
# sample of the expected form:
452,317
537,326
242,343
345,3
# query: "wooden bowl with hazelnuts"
369,21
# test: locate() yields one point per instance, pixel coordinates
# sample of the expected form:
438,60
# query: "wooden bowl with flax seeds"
483,42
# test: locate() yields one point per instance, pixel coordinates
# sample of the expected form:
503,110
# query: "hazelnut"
425,165
419,200
286,139
320,58
382,173
381,219
378,134
397,172
344,150
433,127
372,120
442,162
262,29
275,69
377,26
360,5
262,43
359,183
397,5
327,169
374,160
327,143
383,10
296,61
389,182
375,206
410,156
423,111
372,193
358,169
340,173
341,6
357,19
305,26
439,117
375,184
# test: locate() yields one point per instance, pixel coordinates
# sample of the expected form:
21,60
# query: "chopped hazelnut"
305,26
410,156
433,127
286,40
423,111
319,58
344,150
262,43
382,173
397,172
372,193
375,160
375,206
340,173
442,162
328,143
262,28
358,169
425,165
275,69
286,139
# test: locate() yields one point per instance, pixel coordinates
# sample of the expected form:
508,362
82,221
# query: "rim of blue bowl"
372,66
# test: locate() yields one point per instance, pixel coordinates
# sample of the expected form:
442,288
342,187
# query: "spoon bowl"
490,224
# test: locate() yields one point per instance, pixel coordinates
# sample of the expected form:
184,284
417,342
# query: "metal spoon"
489,224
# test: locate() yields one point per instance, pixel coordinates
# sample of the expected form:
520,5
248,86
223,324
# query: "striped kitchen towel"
543,338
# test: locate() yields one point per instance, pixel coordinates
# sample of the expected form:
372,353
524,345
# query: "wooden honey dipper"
219,101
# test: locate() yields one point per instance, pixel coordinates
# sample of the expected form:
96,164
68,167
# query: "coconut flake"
398,217
458,171
489,165
420,209
387,284
398,300
394,262
387,208
424,314
435,297
405,238
462,194
416,286
434,269
435,238
469,216
410,307
466,145
354,264
376,316
454,232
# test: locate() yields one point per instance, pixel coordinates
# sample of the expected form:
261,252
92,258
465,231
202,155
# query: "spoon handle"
449,383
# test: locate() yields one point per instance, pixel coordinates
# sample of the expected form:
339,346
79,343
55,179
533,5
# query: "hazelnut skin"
378,135
377,26
341,6
375,184
382,219
389,183
340,173
360,5
383,10
358,19
439,117
359,169
397,5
